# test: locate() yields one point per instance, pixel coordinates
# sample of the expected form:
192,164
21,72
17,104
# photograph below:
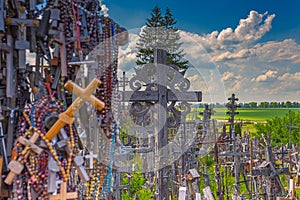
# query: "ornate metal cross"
168,86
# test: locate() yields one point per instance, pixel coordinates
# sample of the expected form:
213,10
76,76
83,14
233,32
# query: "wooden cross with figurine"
15,166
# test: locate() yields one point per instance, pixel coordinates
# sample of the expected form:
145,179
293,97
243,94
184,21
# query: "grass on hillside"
256,115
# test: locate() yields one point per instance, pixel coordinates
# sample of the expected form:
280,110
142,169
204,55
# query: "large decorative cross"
83,95
64,195
162,95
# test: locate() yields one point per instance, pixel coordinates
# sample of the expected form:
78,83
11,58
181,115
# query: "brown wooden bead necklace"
65,173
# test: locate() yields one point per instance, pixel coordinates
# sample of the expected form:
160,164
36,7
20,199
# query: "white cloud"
273,51
30,57
249,30
104,10
241,54
127,54
263,77
246,67
290,77
227,76
252,28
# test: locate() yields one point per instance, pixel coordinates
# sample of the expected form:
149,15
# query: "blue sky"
254,44
206,16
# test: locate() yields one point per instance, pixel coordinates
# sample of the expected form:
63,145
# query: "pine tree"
175,54
149,37
160,30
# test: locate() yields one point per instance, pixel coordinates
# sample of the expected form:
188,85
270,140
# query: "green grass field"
255,115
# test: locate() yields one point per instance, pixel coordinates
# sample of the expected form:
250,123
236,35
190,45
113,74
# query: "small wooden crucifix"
15,166
64,195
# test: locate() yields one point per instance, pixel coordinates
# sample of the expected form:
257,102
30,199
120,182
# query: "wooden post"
251,166
292,188
63,54
237,163
32,4
53,168
2,138
171,195
2,11
182,193
83,95
21,44
291,194
64,195
10,90
1,165
208,194
10,71
198,196
160,58
4,193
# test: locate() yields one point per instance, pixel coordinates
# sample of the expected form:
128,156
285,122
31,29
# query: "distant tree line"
273,104
265,104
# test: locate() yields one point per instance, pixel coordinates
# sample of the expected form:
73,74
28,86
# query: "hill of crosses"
72,128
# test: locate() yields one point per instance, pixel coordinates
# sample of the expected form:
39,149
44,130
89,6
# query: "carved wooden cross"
21,44
15,166
22,23
61,46
64,195
29,144
91,157
83,95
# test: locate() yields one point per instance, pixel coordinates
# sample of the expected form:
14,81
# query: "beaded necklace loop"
65,173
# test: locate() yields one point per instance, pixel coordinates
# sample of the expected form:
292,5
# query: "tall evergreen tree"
160,30
172,37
